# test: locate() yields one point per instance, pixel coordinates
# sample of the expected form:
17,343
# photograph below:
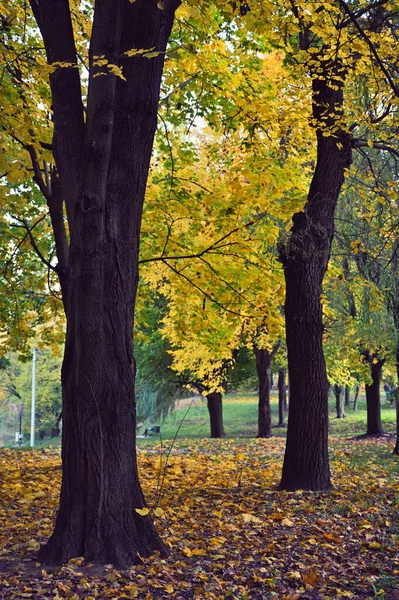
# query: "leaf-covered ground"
232,535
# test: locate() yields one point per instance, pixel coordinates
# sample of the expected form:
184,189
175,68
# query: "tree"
101,146
264,360
306,254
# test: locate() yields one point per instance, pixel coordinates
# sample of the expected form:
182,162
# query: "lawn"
240,419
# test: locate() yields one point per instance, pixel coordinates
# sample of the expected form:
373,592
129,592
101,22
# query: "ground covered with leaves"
231,533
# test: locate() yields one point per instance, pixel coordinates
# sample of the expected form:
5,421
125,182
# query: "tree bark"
373,400
347,395
282,397
396,448
215,408
305,259
102,165
264,369
356,398
339,404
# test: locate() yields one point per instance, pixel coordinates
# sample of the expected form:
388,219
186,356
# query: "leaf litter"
232,535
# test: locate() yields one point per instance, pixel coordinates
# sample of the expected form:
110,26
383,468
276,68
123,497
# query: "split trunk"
102,164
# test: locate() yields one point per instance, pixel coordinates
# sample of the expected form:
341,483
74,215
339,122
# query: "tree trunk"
373,400
282,397
287,395
103,164
305,259
396,449
396,321
215,408
339,404
347,396
356,398
264,369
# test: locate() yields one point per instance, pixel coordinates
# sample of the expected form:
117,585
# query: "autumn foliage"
232,535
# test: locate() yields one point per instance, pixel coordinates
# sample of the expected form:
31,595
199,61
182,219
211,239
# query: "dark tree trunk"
396,321
305,259
373,400
102,164
396,448
215,408
339,404
264,369
282,397
356,398
347,395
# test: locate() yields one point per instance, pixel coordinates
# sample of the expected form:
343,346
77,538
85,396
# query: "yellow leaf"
331,537
250,518
142,511
187,551
169,588
159,512
287,523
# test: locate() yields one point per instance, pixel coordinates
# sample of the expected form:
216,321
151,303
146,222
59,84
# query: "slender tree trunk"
396,448
103,163
356,398
282,397
287,395
215,408
347,396
373,400
263,368
396,321
338,391
305,259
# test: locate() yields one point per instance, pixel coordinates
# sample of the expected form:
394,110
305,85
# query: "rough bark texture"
305,259
373,400
102,165
339,401
215,408
282,397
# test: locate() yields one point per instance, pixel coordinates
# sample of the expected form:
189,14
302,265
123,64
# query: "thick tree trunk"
347,396
264,369
305,259
373,400
215,408
103,173
282,397
339,401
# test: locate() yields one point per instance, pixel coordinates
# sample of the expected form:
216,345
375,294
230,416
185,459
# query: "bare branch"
34,245
181,85
370,44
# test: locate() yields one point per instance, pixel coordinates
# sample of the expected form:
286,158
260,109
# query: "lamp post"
33,405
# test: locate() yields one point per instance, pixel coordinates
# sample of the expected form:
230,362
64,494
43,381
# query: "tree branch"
34,245
181,85
370,44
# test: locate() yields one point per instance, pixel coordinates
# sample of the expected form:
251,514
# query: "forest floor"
231,534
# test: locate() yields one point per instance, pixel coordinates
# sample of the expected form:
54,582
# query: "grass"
240,419
240,413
